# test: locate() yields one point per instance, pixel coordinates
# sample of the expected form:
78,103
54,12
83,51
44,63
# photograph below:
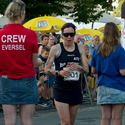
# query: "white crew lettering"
22,38
13,38
3,38
9,38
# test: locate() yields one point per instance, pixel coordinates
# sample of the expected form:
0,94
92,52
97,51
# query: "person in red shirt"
18,55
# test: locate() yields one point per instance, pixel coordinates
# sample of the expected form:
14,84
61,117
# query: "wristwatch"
57,73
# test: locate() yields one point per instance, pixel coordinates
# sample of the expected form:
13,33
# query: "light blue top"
108,68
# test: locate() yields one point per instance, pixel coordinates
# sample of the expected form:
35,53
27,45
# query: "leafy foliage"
35,8
90,10
44,7
83,10
3,5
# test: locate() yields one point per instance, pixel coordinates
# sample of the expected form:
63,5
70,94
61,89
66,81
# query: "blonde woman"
108,62
19,48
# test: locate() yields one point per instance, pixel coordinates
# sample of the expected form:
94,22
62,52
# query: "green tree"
35,8
83,10
90,10
3,5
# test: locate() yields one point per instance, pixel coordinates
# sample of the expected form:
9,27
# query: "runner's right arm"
52,54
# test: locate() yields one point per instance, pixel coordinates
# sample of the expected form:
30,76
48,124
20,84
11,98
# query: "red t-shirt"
17,45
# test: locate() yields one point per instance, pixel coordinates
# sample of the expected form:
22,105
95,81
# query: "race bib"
74,76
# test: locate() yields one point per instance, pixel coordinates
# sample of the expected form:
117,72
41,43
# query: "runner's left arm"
84,66
84,60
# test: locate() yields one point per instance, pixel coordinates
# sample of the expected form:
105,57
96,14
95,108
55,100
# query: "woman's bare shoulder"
56,49
81,48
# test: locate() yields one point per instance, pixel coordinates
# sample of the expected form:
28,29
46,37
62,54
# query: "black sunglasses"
68,34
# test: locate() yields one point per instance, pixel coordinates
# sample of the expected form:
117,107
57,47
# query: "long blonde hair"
111,39
15,9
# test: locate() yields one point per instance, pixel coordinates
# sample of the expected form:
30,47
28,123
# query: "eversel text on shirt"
13,42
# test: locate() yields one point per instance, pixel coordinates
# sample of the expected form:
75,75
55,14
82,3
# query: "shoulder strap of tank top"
77,48
62,47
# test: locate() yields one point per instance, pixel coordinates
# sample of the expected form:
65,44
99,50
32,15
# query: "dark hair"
68,25
45,48
45,35
111,39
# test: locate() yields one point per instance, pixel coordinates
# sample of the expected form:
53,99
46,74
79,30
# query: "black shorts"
71,97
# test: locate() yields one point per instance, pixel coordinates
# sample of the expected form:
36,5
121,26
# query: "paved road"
87,115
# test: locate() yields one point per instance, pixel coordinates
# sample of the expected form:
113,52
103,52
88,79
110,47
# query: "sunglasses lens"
68,34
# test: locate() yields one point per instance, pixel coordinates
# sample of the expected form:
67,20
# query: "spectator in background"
87,52
52,41
57,37
42,82
45,39
51,79
94,43
92,46
18,57
77,38
108,63
90,77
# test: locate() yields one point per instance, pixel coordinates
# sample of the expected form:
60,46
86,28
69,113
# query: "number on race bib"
74,76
